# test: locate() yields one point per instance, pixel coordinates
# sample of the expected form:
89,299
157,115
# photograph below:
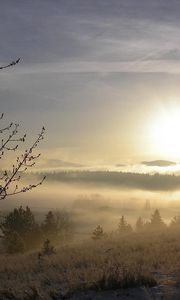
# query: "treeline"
155,224
21,232
154,182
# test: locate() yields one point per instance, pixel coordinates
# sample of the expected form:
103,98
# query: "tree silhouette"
50,224
139,224
123,226
98,233
57,225
20,226
156,220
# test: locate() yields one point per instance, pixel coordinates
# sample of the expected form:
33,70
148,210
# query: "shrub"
118,278
175,222
47,248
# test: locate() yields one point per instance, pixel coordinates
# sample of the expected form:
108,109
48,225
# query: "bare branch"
7,143
10,141
13,63
9,179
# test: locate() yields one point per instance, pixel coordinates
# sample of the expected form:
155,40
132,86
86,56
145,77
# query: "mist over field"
101,197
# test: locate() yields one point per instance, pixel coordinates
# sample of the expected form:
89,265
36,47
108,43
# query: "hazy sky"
100,75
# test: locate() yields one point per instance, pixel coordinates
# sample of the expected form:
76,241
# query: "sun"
166,133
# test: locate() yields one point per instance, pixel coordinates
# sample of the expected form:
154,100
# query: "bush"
175,222
47,248
118,278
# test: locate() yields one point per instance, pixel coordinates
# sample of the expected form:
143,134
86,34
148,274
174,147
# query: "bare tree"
10,178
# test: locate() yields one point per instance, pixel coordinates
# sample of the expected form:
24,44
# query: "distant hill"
126,180
159,163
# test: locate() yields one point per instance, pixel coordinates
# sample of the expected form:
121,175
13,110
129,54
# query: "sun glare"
166,134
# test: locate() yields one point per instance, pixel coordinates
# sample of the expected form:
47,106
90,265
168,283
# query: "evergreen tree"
123,226
147,205
21,222
175,222
13,243
139,224
98,233
57,225
156,220
50,224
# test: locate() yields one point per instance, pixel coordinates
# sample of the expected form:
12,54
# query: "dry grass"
114,262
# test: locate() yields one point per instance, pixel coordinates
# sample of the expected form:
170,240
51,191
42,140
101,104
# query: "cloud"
159,163
87,31
171,54
119,180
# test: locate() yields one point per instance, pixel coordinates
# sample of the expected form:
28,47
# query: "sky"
102,76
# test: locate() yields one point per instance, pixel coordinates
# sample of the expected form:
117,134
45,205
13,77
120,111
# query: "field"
141,265
135,263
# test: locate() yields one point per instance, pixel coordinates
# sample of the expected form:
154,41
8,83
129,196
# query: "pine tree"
19,225
14,243
147,205
156,220
57,225
175,222
139,224
124,227
98,233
